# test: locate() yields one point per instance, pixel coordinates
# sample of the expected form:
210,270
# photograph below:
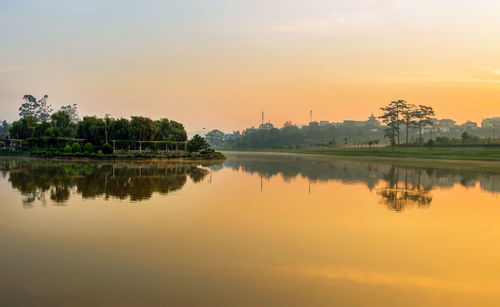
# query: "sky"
220,63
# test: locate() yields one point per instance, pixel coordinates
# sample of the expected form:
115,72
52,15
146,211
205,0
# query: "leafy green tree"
23,128
44,109
76,148
465,137
42,129
72,110
442,141
60,125
142,128
391,135
197,143
4,128
68,149
423,115
39,109
177,132
29,107
89,148
107,149
408,117
119,129
392,118
163,127
169,130
291,134
91,128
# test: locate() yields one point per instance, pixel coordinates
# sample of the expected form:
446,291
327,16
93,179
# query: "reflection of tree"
135,181
59,194
399,195
363,171
197,174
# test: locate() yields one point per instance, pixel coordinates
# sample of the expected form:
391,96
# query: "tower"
310,116
262,117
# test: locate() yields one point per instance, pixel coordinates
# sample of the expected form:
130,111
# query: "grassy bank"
101,156
449,153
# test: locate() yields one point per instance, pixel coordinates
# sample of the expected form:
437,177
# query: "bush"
67,148
197,143
107,149
89,148
76,148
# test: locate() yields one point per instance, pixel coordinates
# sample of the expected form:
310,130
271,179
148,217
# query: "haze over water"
256,229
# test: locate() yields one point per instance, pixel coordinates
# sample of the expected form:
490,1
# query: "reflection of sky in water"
362,171
398,186
202,234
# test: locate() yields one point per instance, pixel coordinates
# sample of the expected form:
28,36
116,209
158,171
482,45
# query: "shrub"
197,143
76,148
89,148
67,148
107,149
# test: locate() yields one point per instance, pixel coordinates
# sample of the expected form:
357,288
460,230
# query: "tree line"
38,121
398,117
291,136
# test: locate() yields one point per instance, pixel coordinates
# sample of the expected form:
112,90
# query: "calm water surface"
254,230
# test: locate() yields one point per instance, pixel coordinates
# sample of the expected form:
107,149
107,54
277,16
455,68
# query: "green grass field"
451,153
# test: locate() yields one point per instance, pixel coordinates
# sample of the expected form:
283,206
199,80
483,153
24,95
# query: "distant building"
354,123
447,123
468,125
371,122
214,136
442,125
231,137
490,122
266,126
324,123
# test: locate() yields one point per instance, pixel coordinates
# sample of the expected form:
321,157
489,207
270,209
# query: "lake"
254,230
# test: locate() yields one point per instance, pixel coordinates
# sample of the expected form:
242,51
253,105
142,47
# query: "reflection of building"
405,186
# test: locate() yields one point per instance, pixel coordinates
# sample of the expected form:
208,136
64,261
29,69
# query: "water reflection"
399,193
58,181
399,186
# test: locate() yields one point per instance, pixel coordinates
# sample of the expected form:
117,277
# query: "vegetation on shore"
450,153
43,153
39,132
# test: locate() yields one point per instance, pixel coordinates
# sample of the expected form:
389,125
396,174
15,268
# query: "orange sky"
220,64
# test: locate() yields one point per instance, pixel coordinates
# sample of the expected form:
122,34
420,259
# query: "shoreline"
478,154
116,158
489,166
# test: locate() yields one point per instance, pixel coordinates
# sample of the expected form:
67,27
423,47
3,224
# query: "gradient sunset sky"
219,64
